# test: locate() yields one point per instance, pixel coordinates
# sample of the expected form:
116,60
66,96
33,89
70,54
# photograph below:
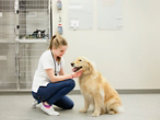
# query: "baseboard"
138,91
120,91
130,91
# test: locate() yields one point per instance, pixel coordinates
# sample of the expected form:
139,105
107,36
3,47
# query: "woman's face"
59,52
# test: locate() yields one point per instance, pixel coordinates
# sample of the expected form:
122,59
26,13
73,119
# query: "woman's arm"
54,78
61,72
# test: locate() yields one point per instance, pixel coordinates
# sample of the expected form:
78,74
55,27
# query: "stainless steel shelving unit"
20,49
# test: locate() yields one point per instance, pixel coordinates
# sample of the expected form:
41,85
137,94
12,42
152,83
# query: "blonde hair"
57,41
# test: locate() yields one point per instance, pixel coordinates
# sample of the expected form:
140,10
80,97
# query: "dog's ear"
90,67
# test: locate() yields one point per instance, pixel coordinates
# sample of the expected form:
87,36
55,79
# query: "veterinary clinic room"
79,60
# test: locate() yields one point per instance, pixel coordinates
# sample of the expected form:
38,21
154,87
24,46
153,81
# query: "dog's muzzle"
72,64
75,69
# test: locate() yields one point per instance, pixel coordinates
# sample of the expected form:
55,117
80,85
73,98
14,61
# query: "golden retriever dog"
96,90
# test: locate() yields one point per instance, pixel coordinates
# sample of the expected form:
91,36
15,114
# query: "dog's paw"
95,114
111,112
83,110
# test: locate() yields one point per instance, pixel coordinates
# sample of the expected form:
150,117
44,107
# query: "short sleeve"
46,61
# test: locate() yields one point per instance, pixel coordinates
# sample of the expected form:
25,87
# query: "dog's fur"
96,90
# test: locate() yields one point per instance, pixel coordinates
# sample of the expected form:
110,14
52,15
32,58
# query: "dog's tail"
119,109
114,106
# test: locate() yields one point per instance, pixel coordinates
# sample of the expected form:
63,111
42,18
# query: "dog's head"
82,63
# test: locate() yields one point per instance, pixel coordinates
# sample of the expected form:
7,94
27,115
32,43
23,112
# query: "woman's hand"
77,74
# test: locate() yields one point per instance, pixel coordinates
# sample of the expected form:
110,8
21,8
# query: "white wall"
129,58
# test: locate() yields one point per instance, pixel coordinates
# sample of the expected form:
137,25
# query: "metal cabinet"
24,34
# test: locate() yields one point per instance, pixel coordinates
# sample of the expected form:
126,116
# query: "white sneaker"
49,111
34,104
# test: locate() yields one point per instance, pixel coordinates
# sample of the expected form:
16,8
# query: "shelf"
3,57
6,42
31,40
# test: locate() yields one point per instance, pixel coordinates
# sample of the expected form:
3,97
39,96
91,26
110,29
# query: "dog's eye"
80,60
